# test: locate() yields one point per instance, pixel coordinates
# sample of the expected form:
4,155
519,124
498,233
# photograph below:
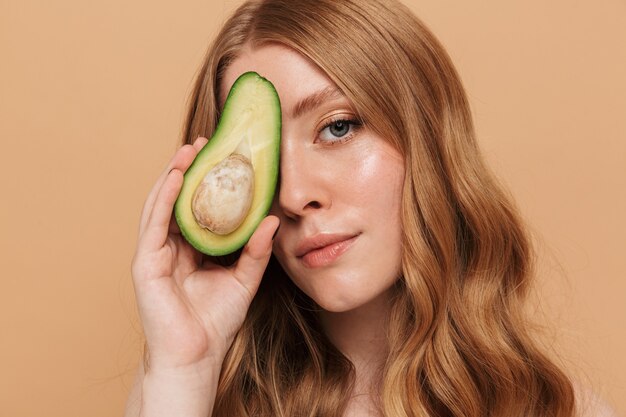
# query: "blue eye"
339,130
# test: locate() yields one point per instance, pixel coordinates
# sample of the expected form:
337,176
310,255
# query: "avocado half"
251,120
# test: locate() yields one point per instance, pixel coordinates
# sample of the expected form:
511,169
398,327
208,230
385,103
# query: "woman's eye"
339,130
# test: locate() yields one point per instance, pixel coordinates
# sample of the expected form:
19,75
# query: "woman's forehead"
294,76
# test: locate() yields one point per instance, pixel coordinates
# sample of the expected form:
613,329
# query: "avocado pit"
223,198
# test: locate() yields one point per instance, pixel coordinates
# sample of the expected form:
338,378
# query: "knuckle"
140,267
187,148
135,267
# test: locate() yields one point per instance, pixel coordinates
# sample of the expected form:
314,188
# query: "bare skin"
344,181
358,335
190,308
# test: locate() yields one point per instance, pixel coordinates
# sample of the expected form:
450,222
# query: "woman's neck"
360,334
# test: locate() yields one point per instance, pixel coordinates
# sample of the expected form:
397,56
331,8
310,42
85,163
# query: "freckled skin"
352,187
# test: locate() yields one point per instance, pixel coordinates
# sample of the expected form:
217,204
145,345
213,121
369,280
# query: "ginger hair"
459,341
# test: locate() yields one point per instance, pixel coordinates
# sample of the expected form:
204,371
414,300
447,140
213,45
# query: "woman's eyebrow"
315,100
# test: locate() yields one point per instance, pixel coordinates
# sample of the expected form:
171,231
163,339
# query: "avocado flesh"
251,120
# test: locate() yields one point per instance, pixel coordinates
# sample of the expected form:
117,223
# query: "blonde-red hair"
459,341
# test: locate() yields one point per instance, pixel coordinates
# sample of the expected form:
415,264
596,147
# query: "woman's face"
339,189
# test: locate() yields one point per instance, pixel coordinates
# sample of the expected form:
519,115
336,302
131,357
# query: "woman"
399,269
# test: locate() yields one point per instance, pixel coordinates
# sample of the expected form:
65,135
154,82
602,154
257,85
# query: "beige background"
91,104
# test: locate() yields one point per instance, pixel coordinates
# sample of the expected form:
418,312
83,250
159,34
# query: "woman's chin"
346,300
336,304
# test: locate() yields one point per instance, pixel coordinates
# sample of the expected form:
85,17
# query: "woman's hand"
190,308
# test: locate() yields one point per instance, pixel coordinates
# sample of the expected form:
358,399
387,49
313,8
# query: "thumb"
256,254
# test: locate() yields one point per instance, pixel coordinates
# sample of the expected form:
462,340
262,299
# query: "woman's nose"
301,188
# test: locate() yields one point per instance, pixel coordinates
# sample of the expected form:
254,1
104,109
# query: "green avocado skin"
251,111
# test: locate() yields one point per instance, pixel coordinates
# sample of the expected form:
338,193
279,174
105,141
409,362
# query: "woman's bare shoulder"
590,404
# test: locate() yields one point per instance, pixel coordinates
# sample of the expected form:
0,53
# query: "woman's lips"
325,255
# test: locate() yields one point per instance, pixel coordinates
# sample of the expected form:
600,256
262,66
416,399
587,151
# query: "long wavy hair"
459,343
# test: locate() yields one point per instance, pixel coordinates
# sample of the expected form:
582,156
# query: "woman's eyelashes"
339,130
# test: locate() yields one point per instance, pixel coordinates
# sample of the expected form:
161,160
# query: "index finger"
157,226
181,160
